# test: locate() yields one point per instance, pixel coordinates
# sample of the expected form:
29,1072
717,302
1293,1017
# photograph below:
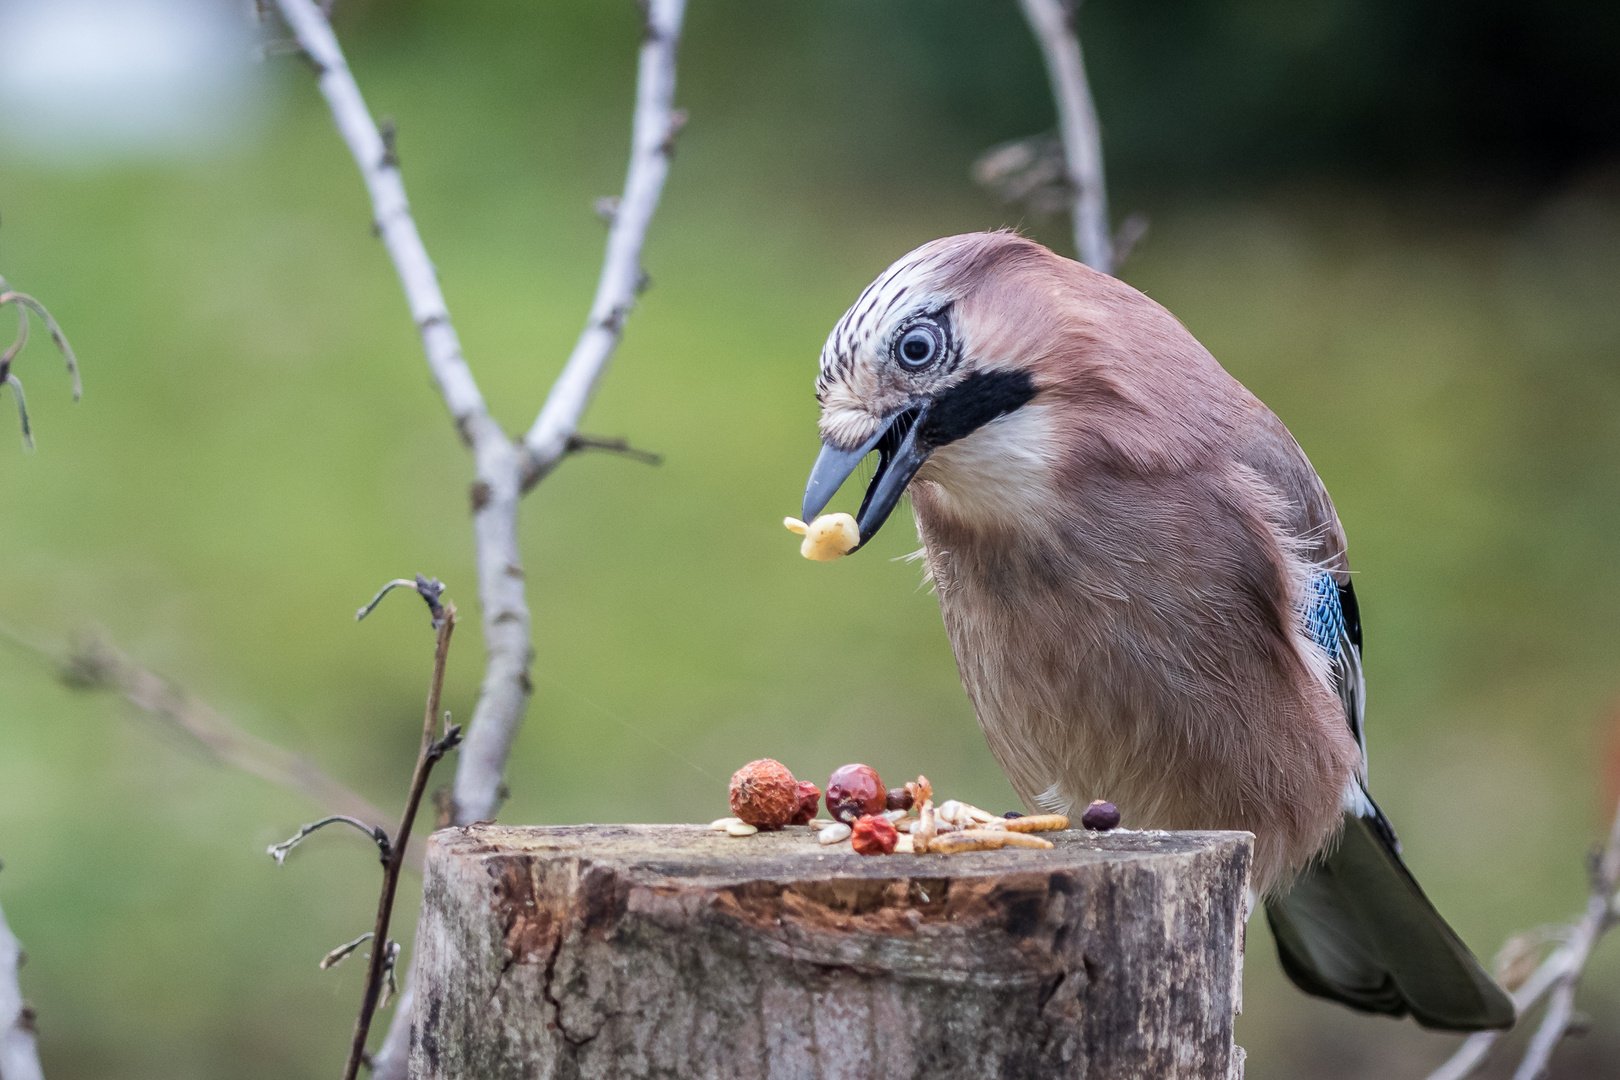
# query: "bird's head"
940,351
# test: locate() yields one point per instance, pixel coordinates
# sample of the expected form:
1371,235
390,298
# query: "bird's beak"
900,455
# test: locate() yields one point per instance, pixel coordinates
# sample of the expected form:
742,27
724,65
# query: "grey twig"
19,1058
25,304
1053,24
383,959
1556,979
429,589
343,951
578,442
93,663
279,852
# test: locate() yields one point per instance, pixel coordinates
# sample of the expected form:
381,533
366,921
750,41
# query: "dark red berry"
874,836
809,803
899,799
853,791
1100,816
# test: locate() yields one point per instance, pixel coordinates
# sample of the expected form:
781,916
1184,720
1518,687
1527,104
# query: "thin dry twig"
25,304
279,852
384,953
94,663
1556,979
343,952
622,447
19,1057
1053,23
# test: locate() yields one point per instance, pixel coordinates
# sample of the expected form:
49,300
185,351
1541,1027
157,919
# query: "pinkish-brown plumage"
1145,585
1120,561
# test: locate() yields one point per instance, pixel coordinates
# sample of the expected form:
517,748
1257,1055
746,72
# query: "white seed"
980,816
894,816
740,828
904,846
835,832
722,824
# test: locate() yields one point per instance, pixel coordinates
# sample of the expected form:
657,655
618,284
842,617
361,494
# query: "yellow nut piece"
829,537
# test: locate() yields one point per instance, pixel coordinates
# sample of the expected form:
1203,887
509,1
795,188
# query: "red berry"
899,799
809,802
854,790
874,836
764,794
1100,816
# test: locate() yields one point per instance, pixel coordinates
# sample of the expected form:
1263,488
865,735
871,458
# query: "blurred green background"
1399,224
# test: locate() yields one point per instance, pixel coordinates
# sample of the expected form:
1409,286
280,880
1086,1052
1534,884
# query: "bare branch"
25,302
383,959
429,589
343,951
391,212
279,852
15,383
577,443
1557,978
93,663
19,1059
657,121
1053,24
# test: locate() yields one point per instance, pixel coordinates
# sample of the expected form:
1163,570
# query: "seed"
1036,823
834,833
721,824
900,799
740,828
1100,816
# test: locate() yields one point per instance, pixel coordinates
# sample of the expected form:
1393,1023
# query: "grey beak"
899,457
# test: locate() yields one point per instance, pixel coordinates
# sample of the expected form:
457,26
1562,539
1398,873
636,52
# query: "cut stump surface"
630,951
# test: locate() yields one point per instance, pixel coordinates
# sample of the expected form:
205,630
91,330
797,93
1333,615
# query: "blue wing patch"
1324,614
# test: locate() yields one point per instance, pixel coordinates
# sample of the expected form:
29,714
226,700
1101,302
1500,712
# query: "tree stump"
629,951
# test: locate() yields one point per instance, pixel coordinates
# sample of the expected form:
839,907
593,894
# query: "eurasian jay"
1145,585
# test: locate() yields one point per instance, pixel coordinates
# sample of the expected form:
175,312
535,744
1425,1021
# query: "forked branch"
1557,977
652,143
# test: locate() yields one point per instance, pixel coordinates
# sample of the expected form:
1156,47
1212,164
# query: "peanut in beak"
829,537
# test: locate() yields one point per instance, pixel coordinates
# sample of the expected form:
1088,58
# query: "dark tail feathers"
1357,929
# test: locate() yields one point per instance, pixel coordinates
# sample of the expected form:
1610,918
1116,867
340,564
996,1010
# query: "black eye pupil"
917,346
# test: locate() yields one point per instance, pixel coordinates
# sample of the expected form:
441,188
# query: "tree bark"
628,951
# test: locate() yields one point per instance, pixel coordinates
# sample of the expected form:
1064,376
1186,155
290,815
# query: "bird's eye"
918,347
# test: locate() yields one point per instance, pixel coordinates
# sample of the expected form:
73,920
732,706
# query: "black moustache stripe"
974,402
